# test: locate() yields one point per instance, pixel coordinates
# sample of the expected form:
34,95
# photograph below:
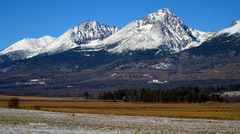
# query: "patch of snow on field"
30,121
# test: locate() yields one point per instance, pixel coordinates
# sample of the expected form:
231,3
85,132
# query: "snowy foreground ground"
19,121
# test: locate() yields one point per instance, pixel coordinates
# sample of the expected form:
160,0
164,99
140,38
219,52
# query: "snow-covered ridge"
82,34
200,37
235,28
28,45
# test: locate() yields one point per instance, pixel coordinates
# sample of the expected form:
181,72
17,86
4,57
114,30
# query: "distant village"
157,81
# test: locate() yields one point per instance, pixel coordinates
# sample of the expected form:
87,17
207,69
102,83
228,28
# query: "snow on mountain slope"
79,35
28,46
200,37
235,28
161,28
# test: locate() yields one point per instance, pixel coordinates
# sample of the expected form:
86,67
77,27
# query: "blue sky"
36,18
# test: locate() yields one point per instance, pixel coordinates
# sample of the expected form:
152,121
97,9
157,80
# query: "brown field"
222,111
27,98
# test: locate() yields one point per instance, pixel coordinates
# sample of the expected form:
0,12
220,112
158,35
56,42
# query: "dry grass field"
222,111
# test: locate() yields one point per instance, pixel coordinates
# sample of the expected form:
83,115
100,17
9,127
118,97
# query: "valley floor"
32,121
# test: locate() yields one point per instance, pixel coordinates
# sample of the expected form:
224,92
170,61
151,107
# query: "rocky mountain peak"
163,15
234,23
90,30
159,30
87,25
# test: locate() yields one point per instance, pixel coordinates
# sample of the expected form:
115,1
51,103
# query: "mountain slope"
216,61
26,47
234,29
98,64
225,42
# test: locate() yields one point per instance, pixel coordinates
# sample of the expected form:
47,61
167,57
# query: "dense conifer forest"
195,94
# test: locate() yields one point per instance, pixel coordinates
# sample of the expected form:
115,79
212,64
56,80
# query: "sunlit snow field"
30,121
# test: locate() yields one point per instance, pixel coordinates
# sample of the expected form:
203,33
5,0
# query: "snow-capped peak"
160,15
90,30
161,29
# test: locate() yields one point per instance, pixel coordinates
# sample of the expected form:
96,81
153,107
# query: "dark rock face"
234,23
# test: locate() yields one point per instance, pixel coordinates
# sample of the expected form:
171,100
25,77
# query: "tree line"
218,88
158,95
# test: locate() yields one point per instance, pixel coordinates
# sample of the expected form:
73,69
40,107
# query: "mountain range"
156,51
161,30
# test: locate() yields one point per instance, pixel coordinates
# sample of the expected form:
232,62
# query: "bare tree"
13,103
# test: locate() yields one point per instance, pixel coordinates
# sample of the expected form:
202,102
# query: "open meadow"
211,110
